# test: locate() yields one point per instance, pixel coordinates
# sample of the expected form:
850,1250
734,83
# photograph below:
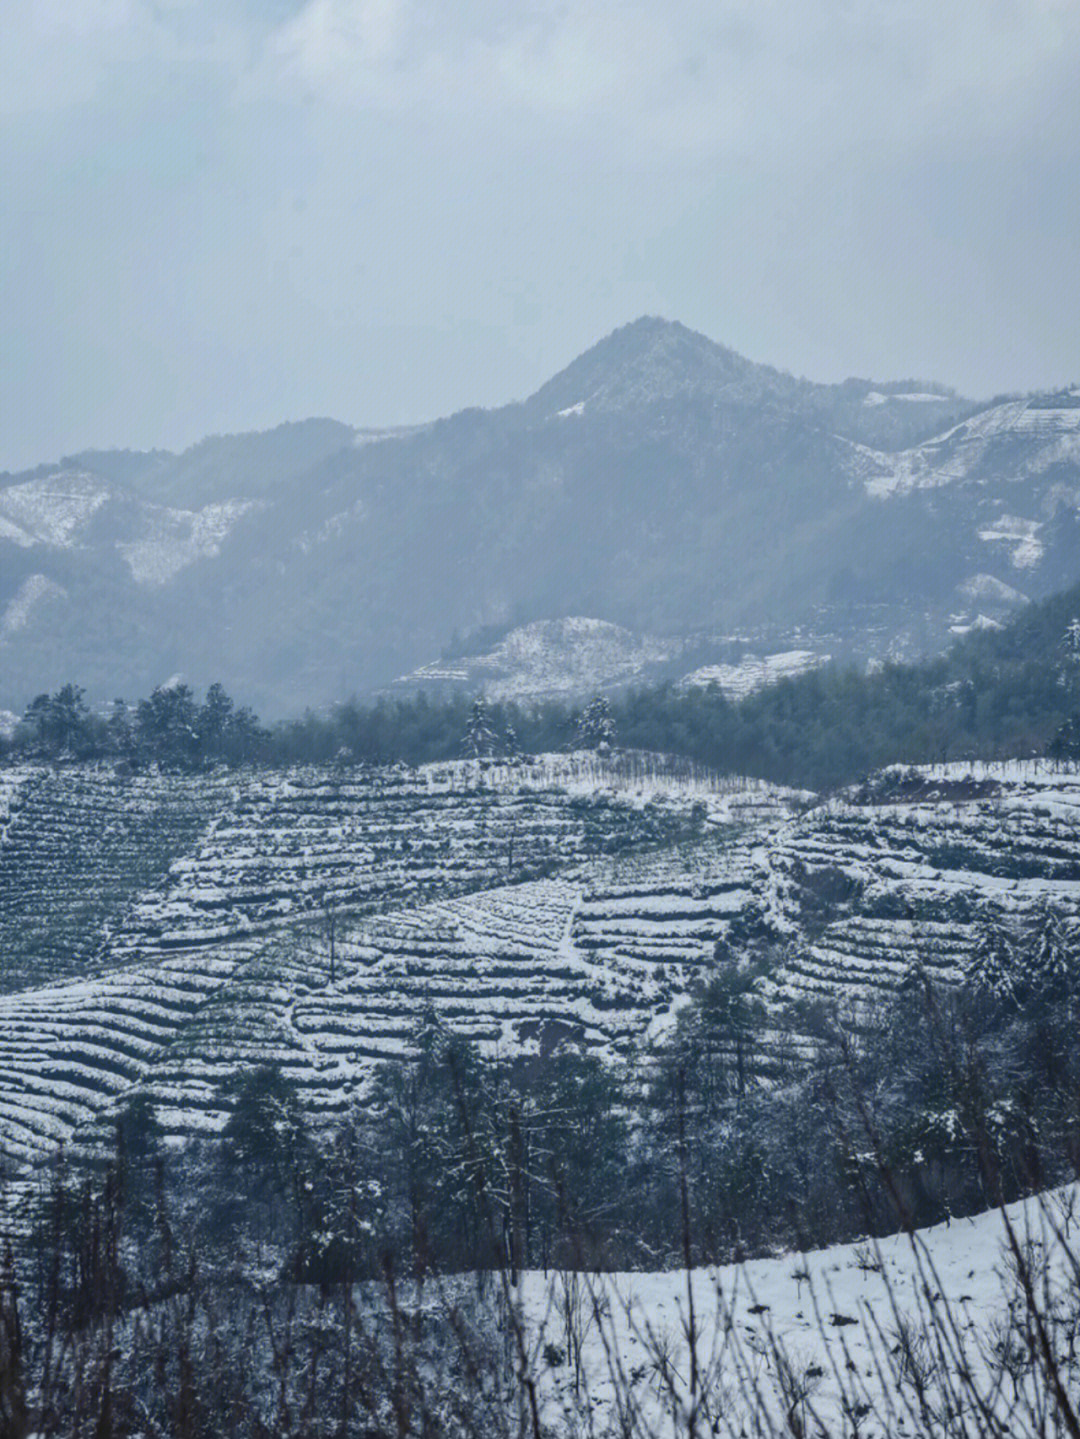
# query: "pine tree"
992,970
479,741
1066,742
121,739
511,744
596,727
215,719
1052,958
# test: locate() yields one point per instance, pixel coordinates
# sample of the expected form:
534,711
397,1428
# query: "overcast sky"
220,214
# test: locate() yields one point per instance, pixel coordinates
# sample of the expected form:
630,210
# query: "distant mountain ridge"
661,484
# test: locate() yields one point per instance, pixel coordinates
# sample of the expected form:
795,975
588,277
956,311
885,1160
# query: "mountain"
661,485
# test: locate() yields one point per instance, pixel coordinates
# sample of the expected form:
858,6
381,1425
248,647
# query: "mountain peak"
652,358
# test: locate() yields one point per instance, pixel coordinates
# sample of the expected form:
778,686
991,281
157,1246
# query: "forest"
1007,693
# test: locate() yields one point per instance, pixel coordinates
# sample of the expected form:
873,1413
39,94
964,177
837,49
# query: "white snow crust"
753,672
34,591
833,1315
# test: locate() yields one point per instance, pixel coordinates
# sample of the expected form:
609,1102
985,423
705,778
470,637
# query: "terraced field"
167,931
912,868
77,847
318,916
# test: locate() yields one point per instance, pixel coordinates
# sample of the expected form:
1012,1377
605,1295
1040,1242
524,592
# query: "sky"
221,214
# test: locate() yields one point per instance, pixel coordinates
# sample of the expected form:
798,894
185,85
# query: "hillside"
307,919
698,504
205,945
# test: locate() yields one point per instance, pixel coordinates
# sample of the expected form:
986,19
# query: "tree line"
1008,693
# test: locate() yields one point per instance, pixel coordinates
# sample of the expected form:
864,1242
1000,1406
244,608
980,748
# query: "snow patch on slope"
1021,535
577,655
986,587
875,397
30,595
832,1315
755,671
50,511
1054,433
177,538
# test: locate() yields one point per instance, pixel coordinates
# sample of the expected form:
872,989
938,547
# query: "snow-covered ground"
34,591
423,870
572,656
173,539
479,890
1053,433
876,397
755,671
53,510
60,511
879,1338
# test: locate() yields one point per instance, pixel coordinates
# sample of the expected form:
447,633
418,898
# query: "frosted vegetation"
369,1068
589,1091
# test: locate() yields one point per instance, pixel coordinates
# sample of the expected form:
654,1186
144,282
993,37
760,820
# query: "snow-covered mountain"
663,489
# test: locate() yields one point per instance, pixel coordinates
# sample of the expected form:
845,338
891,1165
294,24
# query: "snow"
235,924
156,542
964,626
222,960
834,1317
755,671
986,587
1020,534
50,511
177,538
1053,434
31,594
571,656
875,397
578,409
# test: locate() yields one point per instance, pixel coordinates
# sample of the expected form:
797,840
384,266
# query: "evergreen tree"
511,744
215,720
479,741
992,969
1053,956
596,727
120,735
167,726
60,723
1066,741
69,718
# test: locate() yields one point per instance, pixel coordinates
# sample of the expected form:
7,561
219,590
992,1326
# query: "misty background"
220,216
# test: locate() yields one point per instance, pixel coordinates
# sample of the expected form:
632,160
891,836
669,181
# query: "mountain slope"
487,895
661,483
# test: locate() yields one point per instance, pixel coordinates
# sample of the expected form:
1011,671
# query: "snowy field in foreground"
870,1339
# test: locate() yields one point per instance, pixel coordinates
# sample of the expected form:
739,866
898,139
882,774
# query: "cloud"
760,78
555,62
741,76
